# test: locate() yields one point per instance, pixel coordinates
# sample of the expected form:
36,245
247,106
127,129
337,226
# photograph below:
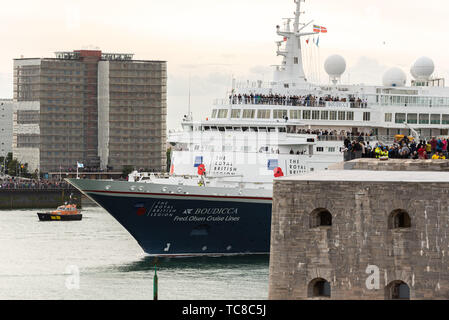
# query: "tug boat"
67,212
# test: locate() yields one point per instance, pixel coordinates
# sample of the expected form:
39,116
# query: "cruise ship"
216,198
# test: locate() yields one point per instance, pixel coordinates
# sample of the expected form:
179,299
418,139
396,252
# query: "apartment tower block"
102,110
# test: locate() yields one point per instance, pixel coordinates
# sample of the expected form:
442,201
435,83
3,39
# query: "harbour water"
42,260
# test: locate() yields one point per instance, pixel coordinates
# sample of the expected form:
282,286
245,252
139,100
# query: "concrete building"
5,126
103,110
361,234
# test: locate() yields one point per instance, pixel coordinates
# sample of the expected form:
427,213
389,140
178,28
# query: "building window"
333,115
214,113
341,115
350,115
319,288
320,149
320,218
397,290
315,115
388,117
295,60
399,219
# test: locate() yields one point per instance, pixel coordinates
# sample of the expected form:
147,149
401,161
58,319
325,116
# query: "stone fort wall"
360,255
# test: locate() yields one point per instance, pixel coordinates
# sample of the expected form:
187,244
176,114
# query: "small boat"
67,212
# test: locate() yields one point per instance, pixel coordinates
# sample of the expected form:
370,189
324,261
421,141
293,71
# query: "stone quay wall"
37,198
359,255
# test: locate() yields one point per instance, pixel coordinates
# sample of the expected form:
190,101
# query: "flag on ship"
319,29
79,165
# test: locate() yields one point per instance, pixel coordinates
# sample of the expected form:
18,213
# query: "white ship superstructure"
260,124
259,131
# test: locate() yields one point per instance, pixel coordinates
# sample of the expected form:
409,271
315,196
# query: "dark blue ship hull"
190,227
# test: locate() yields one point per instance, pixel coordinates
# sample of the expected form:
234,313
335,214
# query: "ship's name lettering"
216,211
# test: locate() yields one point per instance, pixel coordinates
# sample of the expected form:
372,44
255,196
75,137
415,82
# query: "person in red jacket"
422,153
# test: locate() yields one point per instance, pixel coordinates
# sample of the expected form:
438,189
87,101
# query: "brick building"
103,110
358,234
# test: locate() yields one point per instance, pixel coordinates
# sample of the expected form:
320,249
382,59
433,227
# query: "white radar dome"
335,65
423,68
394,77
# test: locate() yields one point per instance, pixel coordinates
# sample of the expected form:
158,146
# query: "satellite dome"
335,65
423,68
394,77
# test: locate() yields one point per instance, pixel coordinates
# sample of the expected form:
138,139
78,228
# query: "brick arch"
399,218
320,217
397,290
319,288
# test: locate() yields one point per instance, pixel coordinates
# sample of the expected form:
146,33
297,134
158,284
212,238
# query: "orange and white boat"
67,212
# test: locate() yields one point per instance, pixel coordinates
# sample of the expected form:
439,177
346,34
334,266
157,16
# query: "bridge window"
320,218
263,114
279,114
306,114
367,116
424,119
235,113
397,290
222,113
249,113
319,288
324,115
350,115
399,219
295,114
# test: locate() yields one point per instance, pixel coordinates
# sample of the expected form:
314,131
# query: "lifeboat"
68,212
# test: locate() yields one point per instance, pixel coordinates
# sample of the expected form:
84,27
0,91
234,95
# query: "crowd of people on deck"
435,148
16,183
293,100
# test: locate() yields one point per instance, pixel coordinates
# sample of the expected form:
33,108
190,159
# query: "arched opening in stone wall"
397,290
320,218
319,288
399,219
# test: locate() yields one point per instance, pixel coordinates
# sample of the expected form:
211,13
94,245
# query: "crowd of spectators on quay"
18,183
294,100
435,148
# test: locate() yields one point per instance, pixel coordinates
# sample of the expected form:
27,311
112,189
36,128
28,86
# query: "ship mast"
292,70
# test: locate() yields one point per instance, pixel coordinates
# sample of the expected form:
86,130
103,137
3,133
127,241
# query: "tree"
126,171
168,159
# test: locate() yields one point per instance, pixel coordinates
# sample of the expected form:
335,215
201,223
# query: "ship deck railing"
289,102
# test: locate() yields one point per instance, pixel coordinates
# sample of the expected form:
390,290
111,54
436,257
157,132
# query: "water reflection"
203,263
